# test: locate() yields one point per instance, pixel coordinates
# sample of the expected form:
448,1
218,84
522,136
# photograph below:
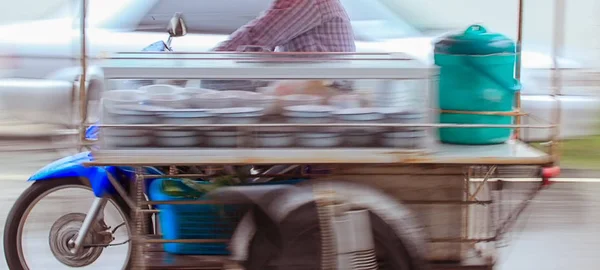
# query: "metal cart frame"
476,170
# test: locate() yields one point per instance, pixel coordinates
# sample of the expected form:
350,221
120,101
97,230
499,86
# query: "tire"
20,207
303,249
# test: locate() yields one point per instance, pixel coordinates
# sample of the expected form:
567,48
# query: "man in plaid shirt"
297,26
292,26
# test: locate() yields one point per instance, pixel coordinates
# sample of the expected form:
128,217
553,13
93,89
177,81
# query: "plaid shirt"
297,26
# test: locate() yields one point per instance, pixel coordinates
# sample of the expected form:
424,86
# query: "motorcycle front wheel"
45,219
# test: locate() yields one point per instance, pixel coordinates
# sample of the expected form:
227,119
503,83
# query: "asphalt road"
558,231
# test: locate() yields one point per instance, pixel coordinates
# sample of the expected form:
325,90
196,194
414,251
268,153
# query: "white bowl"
193,91
123,97
161,89
170,101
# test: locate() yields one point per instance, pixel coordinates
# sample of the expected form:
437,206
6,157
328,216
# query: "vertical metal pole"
139,245
83,108
518,66
557,48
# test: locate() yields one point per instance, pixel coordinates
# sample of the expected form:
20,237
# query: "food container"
211,101
319,139
161,89
178,141
224,138
238,115
122,97
274,139
411,139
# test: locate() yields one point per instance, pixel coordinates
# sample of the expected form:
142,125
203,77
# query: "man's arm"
283,21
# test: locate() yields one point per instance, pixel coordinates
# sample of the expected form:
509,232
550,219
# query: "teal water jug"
476,74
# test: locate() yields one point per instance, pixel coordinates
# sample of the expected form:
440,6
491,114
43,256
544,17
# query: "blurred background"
39,59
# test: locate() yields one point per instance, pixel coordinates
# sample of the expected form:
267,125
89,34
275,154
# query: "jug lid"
475,40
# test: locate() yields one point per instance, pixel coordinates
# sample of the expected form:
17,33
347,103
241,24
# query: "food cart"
316,199
439,199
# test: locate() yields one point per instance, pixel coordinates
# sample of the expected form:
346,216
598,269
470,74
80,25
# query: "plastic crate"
196,221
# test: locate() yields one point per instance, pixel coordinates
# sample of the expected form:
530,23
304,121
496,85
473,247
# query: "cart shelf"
235,66
511,153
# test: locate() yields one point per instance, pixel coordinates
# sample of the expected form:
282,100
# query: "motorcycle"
96,235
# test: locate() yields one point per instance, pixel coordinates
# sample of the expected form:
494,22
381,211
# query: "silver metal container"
410,139
224,138
274,139
319,139
187,141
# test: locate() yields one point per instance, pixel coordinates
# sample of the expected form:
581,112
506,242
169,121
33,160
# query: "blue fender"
72,166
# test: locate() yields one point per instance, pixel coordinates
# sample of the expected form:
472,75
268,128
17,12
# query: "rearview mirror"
177,27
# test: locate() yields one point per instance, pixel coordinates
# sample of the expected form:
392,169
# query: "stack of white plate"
183,137
399,94
313,114
359,136
402,116
409,139
224,138
128,137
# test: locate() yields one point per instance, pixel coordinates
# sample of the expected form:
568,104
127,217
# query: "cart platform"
510,153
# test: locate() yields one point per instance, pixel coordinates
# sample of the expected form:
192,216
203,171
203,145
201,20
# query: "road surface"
558,231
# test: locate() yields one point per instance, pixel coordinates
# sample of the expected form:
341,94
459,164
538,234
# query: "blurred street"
558,231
